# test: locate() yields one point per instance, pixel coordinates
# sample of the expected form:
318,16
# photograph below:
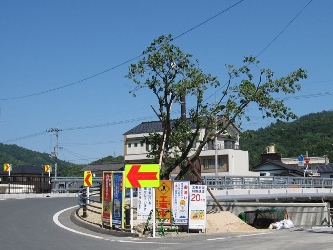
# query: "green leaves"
170,74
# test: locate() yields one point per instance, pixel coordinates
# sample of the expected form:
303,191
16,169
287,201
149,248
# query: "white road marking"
239,236
218,238
56,221
246,235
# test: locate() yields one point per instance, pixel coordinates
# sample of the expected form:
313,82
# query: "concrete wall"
272,191
305,215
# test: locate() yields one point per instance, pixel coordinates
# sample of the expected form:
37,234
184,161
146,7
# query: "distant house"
230,159
98,168
271,162
20,177
277,168
326,171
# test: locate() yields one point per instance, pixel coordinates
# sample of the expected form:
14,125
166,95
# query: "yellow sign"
163,200
142,175
6,167
47,168
87,179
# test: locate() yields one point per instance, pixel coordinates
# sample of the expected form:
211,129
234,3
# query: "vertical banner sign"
163,201
197,207
118,199
106,198
180,202
145,203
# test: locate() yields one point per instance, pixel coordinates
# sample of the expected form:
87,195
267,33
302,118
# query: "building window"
147,147
229,144
141,144
210,163
135,145
129,145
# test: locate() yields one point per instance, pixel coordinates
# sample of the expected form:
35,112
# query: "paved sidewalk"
79,221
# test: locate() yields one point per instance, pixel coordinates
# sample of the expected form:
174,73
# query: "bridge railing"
73,184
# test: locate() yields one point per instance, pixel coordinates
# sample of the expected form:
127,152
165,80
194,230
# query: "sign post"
107,199
197,207
139,176
301,161
7,168
163,195
118,195
87,182
144,175
47,169
145,202
307,160
87,179
180,202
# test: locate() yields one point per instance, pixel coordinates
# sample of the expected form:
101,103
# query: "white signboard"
197,207
145,203
180,202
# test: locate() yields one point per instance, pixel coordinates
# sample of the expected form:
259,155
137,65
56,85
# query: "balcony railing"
221,146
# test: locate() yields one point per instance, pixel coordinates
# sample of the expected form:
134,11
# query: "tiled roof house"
231,160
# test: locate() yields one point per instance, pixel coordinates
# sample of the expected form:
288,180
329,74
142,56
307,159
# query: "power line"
148,117
292,20
269,44
118,65
26,137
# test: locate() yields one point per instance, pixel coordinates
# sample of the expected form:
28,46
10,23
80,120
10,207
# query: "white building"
311,167
231,160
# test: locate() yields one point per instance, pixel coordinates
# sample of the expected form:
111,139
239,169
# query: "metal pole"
307,163
215,142
131,209
55,153
153,215
84,202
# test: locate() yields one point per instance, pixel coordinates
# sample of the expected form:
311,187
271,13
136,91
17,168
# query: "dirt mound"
218,222
226,222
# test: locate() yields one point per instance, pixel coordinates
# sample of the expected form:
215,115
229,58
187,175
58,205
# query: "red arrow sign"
47,168
7,167
87,180
134,176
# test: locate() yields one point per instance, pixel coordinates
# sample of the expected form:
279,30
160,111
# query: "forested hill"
18,156
312,133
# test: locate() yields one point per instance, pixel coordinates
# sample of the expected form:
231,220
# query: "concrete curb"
45,195
77,220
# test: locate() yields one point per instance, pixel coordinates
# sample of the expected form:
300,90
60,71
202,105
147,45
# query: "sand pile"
218,222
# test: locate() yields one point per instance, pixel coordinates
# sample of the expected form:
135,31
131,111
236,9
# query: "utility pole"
56,147
215,146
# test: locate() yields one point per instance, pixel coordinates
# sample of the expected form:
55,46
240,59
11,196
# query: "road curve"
44,224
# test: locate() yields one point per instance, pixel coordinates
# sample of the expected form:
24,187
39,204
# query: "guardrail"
73,184
266,182
85,200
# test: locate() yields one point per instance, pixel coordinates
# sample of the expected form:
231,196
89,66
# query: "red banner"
107,198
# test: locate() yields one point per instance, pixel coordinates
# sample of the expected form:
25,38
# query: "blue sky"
62,63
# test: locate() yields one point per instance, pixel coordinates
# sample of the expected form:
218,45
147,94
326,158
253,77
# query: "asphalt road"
43,223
